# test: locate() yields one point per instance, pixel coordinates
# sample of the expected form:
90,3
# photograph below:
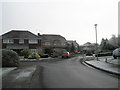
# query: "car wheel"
114,57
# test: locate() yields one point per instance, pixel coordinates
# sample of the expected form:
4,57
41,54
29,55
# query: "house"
53,43
88,47
74,44
19,40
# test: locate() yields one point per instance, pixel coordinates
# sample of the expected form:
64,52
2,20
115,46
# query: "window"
33,50
47,43
55,44
64,44
21,41
33,41
7,40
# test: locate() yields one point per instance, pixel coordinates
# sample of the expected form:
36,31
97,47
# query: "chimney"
38,34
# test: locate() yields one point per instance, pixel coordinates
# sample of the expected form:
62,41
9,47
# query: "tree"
68,48
25,53
72,48
106,45
113,41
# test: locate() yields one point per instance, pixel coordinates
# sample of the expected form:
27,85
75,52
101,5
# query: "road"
70,73
59,73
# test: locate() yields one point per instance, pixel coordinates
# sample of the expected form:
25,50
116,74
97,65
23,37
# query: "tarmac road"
58,73
70,73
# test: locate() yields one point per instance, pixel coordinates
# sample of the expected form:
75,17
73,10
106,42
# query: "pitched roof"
71,41
20,34
88,44
52,37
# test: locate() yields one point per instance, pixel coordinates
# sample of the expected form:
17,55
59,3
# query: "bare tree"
113,41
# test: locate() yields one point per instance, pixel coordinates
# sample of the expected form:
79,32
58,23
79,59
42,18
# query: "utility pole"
96,40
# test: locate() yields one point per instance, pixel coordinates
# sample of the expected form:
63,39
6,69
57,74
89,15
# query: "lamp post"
96,40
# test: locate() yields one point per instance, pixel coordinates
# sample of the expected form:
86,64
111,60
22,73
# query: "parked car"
89,54
34,56
66,55
54,55
77,52
44,55
101,54
116,53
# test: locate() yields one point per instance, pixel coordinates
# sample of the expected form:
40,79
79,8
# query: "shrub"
25,53
54,55
9,58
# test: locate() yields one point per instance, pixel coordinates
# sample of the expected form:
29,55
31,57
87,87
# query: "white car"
116,53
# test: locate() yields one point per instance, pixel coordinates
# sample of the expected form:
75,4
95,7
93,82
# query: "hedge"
9,58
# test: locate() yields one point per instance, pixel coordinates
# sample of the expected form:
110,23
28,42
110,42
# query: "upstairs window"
21,41
8,41
33,41
47,43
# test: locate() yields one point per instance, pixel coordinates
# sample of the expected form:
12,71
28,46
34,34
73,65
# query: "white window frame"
47,43
5,41
8,41
33,50
21,41
33,41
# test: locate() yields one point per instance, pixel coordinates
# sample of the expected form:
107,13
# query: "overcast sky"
73,19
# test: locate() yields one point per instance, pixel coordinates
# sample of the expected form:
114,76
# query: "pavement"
4,71
35,59
111,65
23,76
19,78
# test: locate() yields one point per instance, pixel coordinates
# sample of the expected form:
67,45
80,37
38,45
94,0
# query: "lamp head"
95,24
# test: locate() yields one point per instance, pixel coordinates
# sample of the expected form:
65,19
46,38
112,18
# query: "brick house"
75,45
88,47
53,43
19,40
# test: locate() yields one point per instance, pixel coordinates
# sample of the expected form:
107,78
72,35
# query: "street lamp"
96,40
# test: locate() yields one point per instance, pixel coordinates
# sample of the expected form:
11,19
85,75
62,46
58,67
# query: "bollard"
106,60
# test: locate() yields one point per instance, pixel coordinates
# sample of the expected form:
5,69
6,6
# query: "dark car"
44,55
116,53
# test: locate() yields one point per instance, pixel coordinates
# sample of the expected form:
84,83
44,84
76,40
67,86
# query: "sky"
73,19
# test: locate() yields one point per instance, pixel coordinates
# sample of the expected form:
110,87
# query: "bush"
54,55
9,58
25,53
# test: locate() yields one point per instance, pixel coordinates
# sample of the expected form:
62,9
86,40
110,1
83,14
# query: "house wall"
25,41
33,46
16,41
16,45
